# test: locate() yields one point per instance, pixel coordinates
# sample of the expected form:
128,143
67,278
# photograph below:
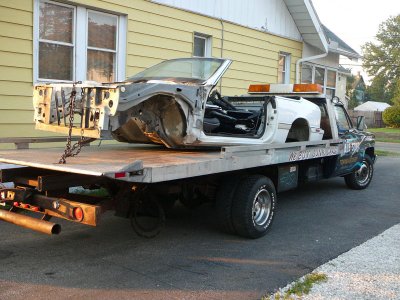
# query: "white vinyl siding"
271,16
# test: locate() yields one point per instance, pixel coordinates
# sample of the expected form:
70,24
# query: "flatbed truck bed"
143,181
155,164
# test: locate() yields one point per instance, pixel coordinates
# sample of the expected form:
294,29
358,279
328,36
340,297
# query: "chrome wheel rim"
363,174
261,207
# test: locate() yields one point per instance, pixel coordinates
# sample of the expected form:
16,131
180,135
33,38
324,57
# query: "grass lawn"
386,153
386,140
387,135
385,130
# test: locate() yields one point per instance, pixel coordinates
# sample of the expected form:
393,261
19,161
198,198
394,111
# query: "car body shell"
174,112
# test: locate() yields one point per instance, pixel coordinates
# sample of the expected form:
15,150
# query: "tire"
360,179
223,205
147,217
253,206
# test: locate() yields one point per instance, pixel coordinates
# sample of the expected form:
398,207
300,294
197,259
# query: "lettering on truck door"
351,143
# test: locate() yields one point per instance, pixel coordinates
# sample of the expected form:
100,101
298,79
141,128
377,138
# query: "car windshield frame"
202,70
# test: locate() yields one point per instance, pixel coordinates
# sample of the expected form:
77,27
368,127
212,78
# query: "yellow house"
104,40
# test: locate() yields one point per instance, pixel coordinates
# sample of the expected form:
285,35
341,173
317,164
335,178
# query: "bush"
391,116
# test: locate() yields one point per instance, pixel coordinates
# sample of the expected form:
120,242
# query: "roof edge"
345,53
317,24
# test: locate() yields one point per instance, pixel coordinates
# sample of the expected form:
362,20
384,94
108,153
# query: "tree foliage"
396,93
382,58
350,92
391,116
378,90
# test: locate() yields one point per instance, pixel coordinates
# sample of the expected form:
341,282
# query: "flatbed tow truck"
143,181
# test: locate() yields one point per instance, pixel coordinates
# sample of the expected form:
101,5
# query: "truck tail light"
78,213
120,175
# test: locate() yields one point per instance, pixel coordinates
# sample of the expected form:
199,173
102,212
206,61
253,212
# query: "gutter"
301,60
222,48
348,54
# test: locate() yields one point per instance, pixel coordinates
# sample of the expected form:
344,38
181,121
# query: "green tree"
378,91
350,92
391,116
349,84
353,102
382,59
396,93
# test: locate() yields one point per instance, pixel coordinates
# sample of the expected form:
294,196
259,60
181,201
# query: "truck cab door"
351,156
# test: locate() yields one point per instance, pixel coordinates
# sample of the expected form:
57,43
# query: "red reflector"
120,175
78,213
16,204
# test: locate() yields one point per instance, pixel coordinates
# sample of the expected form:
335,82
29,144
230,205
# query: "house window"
56,41
73,43
101,46
284,68
331,83
316,74
201,45
319,76
307,74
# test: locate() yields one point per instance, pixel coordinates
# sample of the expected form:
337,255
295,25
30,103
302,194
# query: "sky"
355,21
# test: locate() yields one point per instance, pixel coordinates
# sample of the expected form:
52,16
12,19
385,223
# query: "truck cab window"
343,121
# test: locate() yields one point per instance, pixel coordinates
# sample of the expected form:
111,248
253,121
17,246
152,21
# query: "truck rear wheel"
223,204
253,206
360,179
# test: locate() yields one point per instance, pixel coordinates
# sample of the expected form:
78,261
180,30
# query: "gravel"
369,271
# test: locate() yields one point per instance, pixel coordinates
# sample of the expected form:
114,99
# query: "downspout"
222,49
301,60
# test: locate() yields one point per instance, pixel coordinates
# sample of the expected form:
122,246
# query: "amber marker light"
259,88
307,88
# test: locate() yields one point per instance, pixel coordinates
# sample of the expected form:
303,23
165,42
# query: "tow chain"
75,149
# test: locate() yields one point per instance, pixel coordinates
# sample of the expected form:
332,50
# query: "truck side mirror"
360,123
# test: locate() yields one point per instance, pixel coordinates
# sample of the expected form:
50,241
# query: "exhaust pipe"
29,222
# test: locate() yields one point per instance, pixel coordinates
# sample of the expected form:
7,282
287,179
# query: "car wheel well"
299,131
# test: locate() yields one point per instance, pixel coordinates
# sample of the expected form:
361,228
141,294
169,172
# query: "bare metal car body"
175,103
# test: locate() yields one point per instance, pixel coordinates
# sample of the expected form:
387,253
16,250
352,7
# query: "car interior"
325,121
244,119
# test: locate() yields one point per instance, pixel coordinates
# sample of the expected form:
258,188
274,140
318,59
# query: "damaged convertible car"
175,103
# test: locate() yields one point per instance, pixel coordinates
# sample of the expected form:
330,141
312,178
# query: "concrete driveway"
191,259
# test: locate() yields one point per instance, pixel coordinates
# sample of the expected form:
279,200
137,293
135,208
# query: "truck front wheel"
253,206
360,179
